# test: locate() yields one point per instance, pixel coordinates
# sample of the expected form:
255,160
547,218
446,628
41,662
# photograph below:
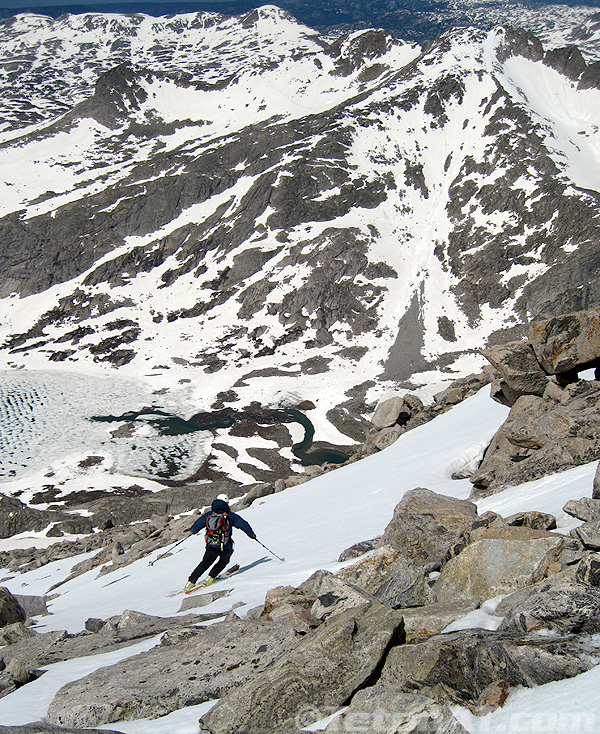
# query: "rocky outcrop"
554,421
498,561
566,609
183,670
382,709
400,413
426,525
325,669
456,668
10,609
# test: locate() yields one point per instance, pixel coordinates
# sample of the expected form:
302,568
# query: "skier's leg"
210,556
224,558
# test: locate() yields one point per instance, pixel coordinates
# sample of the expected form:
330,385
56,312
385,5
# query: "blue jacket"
236,521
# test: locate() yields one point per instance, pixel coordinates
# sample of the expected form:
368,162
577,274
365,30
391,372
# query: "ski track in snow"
362,497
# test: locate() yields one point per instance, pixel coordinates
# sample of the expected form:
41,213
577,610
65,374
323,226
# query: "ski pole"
270,551
166,553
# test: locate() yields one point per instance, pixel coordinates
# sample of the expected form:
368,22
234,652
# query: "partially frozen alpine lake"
47,417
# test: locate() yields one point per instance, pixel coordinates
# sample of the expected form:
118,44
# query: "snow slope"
362,497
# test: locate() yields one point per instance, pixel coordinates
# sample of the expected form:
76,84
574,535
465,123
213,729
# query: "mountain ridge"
359,216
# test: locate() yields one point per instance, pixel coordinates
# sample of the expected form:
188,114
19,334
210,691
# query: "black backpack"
218,529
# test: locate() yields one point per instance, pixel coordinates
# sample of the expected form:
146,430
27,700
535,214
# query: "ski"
229,572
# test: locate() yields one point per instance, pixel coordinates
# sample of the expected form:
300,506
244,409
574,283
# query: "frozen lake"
46,416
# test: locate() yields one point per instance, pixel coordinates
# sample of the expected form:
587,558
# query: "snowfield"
361,497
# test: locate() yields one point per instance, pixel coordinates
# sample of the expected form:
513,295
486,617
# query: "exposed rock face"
567,342
498,561
554,422
325,669
542,436
395,713
425,525
457,667
565,610
521,372
182,671
10,609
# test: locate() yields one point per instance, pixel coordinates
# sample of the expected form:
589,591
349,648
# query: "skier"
218,522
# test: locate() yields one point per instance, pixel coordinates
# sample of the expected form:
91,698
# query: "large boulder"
391,411
498,561
10,609
567,343
393,579
333,595
324,670
188,667
521,372
426,525
565,609
433,619
456,667
586,509
379,709
540,437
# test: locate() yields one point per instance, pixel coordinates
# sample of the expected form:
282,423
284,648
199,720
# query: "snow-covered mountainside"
248,212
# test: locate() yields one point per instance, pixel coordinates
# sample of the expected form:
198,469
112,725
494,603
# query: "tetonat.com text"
356,721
